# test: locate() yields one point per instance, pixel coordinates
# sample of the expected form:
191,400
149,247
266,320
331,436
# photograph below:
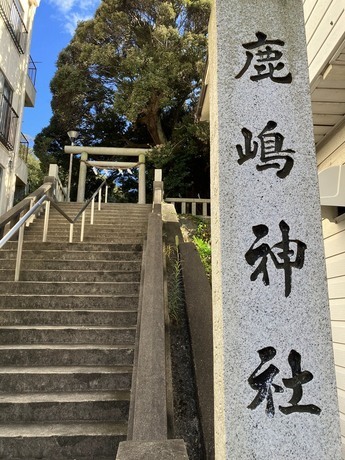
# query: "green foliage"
175,284
35,174
202,241
185,159
148,57
204,249
203,231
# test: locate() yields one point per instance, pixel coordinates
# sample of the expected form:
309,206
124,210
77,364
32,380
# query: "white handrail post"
92,211
82,227
46,221
142,180
29,221
19,253
70,233
204,209
106,194
99,199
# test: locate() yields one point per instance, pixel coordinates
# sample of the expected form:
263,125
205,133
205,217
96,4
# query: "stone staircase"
67,335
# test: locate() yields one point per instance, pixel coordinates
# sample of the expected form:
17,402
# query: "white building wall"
325,34
14,66
325,31
332,153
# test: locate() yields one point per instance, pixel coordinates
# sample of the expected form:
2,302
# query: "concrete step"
110,207
109,240
89,237
79,247
114,220
130,208
74,318
130,239
66,355
115,238
104,222
102,406
67,301
72,255
61,441
89,230
71,275
74,265
67,334
64,379
73,288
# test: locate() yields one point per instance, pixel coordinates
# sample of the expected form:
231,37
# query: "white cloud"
73,19
73,11
88,4
64,6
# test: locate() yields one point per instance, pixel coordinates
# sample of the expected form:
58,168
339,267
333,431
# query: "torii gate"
113,151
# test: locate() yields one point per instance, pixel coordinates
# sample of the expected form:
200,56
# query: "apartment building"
17,90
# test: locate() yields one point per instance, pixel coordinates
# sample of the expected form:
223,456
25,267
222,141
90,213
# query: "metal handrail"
32,71
21,221
24,219
73,220
19,226
89,200
26,203
24,148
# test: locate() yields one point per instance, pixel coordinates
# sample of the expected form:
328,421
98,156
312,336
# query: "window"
1,174
12,13
16,15
8,117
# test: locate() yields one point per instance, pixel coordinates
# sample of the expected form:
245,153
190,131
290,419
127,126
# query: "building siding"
330,154
324,22
13,65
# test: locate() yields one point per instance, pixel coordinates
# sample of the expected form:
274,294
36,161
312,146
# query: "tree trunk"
154,127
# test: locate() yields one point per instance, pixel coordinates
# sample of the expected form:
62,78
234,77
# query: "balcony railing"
24,148
13,19
8,123
194,206
30,90
32,71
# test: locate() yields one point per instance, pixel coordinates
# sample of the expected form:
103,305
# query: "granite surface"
271,314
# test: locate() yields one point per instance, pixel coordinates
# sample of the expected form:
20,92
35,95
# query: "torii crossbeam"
111,151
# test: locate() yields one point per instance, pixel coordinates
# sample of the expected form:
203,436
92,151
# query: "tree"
35,174
131,77
151,53
185,159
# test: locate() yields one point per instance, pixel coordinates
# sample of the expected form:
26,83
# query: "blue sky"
54,25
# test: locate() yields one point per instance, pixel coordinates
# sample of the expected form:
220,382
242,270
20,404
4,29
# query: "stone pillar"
275,394
158,189
142,180
53,171
69,182
82,177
